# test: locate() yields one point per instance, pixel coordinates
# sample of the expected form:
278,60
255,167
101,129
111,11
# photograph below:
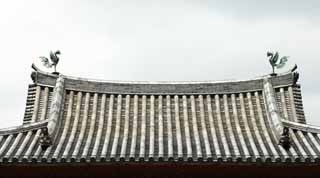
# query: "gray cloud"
272,8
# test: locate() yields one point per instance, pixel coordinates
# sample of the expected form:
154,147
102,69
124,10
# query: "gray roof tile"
110,121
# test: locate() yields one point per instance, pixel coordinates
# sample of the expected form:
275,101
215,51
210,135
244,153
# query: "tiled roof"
79,120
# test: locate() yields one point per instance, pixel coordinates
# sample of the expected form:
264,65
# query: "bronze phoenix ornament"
276,62
54,60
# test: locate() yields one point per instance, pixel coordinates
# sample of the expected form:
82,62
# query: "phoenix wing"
45,61
282,62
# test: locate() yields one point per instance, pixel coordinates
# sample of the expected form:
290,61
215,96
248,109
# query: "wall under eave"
162,170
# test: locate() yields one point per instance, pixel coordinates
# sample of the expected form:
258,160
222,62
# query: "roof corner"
281,132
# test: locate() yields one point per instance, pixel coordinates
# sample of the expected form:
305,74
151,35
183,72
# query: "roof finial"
273,59
54,61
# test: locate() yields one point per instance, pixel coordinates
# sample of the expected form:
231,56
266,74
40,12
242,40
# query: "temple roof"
70,119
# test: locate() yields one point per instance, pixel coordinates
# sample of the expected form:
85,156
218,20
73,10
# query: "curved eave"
23,128
163,88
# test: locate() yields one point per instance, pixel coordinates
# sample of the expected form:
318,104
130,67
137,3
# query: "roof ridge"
24,127
301,126
49,133
161,88
155,82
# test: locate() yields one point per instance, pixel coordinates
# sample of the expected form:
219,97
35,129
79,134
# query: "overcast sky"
165,40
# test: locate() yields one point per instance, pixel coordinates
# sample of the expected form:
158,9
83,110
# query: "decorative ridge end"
37,71
285,140
34,74
34,67
282,133
296,76
48,134
45,140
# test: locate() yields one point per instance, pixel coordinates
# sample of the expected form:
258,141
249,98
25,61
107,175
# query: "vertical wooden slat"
65,127
230,130
160,127
238,128
151,141
255,128
83,126
100,127
169,126
284,105
204,128
248,132
143,127
178,129
195,127
134,127
293,107
74,127
109,128
92,126
186,127
117,131
45,104
220,126
126,128
36,103
212,128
